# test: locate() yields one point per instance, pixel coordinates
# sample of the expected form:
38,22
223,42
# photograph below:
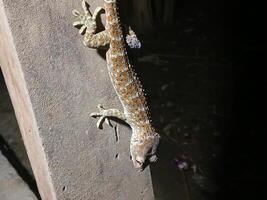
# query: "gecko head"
143,151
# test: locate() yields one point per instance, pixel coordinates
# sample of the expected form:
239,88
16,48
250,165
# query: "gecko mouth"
138,164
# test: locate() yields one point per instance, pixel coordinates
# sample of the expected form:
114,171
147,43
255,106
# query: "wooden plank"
18,91
54,83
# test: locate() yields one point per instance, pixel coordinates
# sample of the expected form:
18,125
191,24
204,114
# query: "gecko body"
144,139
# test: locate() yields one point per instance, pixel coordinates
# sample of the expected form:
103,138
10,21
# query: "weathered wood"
142,15
147,15
54,83
168,12
12,71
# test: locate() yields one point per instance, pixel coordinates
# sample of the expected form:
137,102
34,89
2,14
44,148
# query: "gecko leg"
87,25
106,114
86,21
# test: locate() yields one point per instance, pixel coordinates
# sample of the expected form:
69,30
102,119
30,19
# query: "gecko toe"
94,114
107,121
100,122
76,13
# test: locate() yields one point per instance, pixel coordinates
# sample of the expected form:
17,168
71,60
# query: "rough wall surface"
65,82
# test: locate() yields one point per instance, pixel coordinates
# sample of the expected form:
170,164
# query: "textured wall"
64,82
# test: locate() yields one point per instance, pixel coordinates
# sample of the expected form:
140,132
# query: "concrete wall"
54,83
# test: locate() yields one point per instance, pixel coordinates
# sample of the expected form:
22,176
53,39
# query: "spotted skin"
144,139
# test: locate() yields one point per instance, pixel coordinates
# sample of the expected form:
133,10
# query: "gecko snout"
141,162
138,163
143,151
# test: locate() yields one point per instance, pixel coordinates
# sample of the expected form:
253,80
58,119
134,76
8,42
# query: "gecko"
144,139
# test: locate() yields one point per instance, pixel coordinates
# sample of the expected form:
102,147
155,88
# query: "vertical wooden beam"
142,15
18,91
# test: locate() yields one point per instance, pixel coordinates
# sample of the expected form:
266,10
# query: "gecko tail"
112,19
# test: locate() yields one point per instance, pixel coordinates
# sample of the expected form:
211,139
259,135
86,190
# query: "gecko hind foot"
105,115
86,21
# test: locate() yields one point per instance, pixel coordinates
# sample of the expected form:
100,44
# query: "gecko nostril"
140,162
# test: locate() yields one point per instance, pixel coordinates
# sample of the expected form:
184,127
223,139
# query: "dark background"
207,97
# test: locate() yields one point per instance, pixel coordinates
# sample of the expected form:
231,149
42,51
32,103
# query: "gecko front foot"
105,115
87,21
